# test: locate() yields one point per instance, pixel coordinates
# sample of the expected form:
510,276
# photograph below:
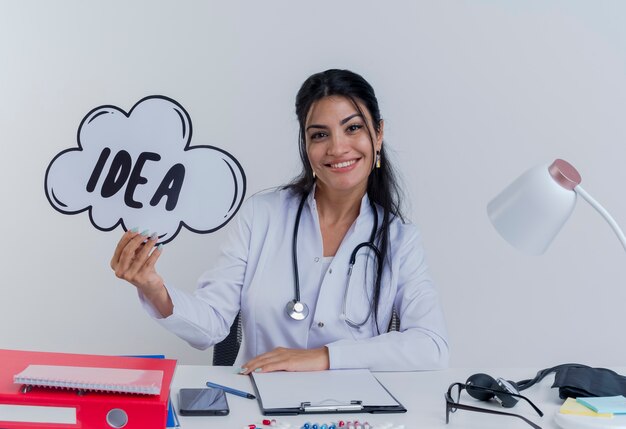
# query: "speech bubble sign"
139,169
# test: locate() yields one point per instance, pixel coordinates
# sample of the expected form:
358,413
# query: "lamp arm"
605,214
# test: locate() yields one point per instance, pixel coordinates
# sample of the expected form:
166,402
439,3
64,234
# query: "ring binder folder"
307,407
96,409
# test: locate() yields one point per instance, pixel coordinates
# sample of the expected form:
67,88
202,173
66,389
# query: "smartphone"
202,402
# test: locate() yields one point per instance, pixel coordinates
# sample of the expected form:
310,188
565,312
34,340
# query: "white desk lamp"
530,212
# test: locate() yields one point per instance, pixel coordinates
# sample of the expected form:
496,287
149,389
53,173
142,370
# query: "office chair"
394,323
225,352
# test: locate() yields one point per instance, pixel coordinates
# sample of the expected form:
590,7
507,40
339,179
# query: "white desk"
422,393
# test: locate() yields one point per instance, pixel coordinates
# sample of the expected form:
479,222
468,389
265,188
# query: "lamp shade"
530,212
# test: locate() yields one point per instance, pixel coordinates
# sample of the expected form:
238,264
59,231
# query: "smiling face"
339,146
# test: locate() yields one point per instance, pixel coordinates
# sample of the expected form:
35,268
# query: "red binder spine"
93,410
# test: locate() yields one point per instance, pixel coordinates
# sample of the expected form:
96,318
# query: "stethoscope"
297,309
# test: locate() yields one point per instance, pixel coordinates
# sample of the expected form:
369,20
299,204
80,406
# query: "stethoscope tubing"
294,248
295,304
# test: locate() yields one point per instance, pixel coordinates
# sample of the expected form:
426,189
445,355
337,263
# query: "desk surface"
422,393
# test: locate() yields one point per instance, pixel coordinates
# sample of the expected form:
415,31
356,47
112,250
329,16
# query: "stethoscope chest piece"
297,310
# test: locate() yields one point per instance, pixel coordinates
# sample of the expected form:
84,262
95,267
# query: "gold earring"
377,159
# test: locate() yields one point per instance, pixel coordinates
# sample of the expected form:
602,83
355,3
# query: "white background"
473,93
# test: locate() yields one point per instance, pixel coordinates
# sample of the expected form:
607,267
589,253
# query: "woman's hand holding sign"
134,259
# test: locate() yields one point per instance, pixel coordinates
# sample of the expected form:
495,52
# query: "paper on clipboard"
287,390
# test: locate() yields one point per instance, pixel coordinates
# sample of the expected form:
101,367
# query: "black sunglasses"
454,391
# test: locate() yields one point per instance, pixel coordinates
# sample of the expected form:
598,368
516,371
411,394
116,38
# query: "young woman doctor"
317,267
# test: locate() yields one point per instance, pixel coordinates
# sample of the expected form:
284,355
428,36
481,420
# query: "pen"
231,390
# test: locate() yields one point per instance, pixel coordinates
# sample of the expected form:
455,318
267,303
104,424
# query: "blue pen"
231,390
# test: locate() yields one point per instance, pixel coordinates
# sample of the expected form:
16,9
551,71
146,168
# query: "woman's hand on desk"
133,260
283,359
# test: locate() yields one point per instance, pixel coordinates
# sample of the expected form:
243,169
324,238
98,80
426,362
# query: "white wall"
473,93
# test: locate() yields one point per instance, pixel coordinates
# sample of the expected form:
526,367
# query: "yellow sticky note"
570,406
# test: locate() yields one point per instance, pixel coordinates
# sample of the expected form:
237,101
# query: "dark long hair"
382,184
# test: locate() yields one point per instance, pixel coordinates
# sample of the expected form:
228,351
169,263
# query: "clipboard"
322,392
